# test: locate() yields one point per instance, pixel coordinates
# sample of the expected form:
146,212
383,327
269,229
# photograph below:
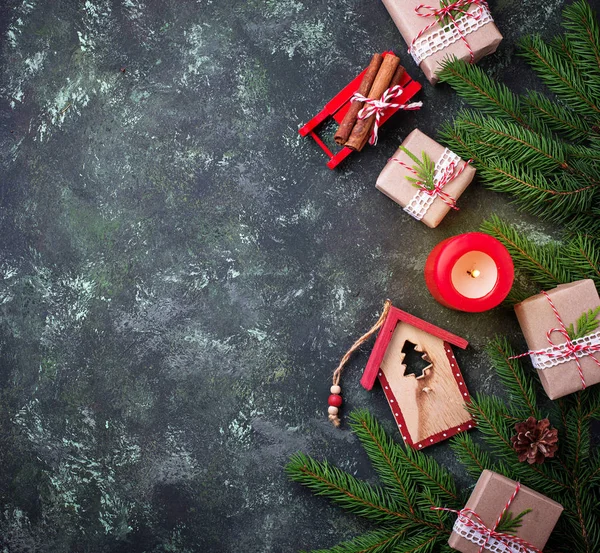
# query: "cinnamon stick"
347,124
380,85
395,80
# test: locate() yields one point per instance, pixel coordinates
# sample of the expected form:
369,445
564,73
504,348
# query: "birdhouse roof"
394,317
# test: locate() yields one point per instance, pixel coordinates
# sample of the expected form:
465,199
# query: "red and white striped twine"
471,519
448,175
566,351
446,11
378,107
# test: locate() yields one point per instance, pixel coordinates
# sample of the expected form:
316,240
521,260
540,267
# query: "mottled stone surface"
180,272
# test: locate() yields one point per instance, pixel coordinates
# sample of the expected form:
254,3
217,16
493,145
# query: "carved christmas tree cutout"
414,360
420,377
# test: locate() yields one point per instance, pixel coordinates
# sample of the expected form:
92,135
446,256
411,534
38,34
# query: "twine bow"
439,183
470,519
446,11
378,107
567,351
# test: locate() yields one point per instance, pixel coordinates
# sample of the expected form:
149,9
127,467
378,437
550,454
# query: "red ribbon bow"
437,190
446,11
471,519
378,107
567,350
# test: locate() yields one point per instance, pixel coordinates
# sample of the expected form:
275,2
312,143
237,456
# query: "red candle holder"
470,272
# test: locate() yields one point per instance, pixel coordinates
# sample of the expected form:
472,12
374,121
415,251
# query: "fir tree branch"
584,33
577,449
457,142
594,477
559,119
473,85
592,404
427,472
382,452
540,263
559,76
424,543
490,414
585,224
518,144
584,256
378,541
519,385
562,46
538,153
472,456
521,144
352,494
426,501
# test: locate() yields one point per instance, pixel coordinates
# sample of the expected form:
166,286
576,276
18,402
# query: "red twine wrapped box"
467,31
475,528
564,365
452,176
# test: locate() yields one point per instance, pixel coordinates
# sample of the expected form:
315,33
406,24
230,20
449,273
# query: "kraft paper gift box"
488,500
429,209
442,41
559,372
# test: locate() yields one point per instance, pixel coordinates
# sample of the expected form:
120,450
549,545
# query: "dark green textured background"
180,272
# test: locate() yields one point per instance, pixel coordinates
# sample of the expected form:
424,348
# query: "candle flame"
474,273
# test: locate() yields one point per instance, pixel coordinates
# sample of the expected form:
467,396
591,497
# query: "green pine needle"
456,14
424,168
586,324
510,523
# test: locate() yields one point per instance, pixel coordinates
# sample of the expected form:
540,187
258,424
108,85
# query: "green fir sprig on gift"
542,150
411,482
510,523
586,324
424,169
456,13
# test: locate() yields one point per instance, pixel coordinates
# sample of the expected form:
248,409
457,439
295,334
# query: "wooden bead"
333,410
335,400
335,389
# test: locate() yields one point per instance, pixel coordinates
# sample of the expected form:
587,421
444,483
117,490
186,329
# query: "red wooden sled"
339,105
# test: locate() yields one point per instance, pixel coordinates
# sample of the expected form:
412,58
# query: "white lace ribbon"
555,355
474,535
439,38
421,201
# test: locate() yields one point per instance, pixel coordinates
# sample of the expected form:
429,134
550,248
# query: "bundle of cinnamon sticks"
382,73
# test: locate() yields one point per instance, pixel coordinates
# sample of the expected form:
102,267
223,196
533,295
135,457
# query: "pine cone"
535,440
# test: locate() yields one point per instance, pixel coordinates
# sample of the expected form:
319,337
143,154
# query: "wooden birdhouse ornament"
428,405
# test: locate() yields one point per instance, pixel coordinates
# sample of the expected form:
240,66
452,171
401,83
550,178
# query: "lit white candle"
470,272
474,275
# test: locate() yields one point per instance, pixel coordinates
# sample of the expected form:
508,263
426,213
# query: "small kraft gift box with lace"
425,178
